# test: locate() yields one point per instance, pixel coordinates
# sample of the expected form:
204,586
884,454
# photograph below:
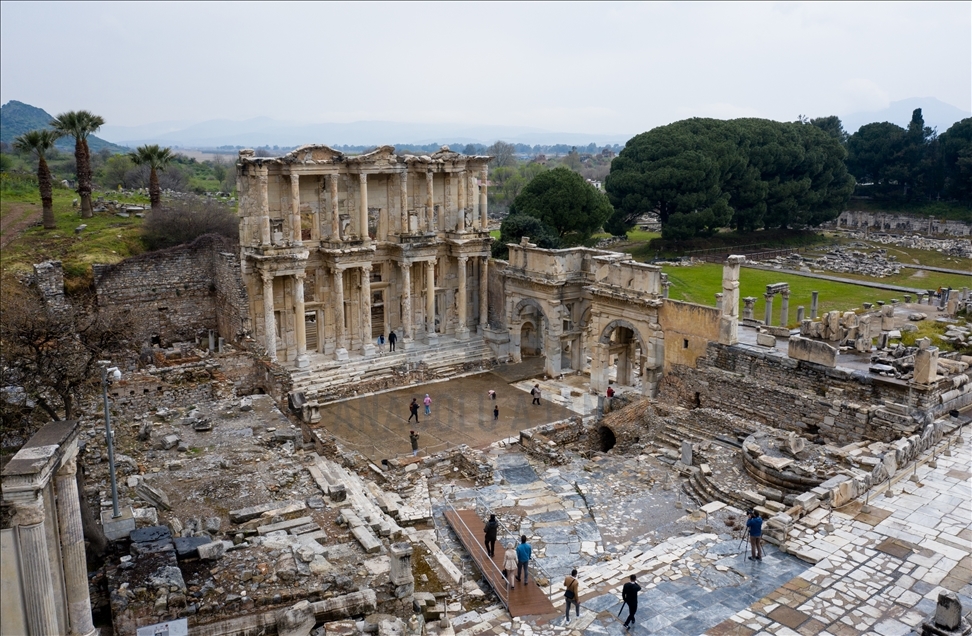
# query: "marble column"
403,191
363,212
72,549
332,184
429,204
462,331
367,345
296,226
35,567
269,322
462,198
749,302
718,298
263,201
769,309
302,360
483,212
483,294
814,297
430,299
785,308
406,300
339,330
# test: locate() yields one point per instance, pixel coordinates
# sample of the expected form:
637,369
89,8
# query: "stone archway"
530,321
620,346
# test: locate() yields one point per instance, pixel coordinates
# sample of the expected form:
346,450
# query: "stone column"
403,192
769,309
406,300
35,567
295,223
813,305
718,298
340,336
363,220
72,549
483,213
729,307
462,331
302,360
785,308
269,323
749,303
461,225
429,204
430,299
332,184
367,345
800,314
599,363
461,196
483,294
264,202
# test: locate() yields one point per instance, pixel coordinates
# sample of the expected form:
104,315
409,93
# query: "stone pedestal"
341,354
120,527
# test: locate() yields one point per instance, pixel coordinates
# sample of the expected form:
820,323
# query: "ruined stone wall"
496,290
180,291
883,221
164,387
840,405
688,329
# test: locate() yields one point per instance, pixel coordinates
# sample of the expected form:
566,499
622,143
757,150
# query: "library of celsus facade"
338,250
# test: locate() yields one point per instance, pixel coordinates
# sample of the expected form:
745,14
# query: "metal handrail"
505,601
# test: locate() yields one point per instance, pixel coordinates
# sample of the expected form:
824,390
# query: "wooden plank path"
523,600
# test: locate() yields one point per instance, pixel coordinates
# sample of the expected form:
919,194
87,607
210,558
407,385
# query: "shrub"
185,220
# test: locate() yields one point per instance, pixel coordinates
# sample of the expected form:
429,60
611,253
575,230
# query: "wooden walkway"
523,600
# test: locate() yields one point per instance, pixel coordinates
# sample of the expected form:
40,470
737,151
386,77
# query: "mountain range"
16,118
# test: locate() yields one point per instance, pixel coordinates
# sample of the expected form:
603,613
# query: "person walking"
490,529
413,437
428,404
629,596
392,339
495,412
523,554
381,343
755,527
535,392
509,564
572,594
413,407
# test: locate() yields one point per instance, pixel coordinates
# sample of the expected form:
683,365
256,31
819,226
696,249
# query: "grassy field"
700,283
106,239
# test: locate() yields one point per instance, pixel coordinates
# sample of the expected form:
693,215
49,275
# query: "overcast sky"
594,68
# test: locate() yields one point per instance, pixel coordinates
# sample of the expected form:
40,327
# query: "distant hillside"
16,118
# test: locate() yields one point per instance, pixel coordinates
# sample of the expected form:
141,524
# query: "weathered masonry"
338,250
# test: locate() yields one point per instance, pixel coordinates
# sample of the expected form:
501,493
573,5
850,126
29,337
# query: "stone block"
369,542
153,533
170,441
117,528
273,507
187,547
211,551
776,463
284,525
764,339
812,351
948,612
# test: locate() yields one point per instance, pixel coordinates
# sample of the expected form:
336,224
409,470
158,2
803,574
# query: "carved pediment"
314,153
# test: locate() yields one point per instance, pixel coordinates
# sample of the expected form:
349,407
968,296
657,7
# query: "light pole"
108,374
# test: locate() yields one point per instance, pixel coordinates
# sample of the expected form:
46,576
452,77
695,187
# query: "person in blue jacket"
755,527
523,554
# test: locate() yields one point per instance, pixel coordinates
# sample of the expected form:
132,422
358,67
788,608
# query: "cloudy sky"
594,68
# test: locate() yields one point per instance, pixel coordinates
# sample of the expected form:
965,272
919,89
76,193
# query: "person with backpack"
490,529
755,527
572,594
413,408
535,392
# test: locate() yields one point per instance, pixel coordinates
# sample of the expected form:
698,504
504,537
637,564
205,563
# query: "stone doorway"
377,314
310,330
530,341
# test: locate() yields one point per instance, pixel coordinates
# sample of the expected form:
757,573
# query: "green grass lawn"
700,283
106,239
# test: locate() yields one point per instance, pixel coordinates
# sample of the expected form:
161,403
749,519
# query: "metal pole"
111,444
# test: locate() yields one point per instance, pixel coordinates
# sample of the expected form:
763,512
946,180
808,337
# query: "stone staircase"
325,378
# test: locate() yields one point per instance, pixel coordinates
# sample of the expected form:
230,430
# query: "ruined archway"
606,439
528,329
623,352
530,344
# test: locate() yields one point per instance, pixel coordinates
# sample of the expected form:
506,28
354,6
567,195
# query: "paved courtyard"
377,425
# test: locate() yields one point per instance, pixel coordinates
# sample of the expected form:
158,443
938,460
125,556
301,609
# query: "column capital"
405,264
69,467
785,293
300,275
28,512
367,267
267,277
463,259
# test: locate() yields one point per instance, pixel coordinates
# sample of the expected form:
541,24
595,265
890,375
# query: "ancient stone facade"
338,250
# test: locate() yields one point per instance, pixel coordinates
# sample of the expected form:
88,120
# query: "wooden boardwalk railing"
522,600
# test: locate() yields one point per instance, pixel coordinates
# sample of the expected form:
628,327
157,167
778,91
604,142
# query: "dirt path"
16,218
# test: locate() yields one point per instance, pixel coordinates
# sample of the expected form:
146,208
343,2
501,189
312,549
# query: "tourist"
571,594
629,596
392,339
413,407
492,394
490,529
523,554
381,343
535,392
495,412
413,437
610,392
509,564
428,404
755,527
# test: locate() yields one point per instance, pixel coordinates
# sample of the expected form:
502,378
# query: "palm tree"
40,142
156,159
79,124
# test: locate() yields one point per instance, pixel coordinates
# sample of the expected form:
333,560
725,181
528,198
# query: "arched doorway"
530,344
528,330
621,356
